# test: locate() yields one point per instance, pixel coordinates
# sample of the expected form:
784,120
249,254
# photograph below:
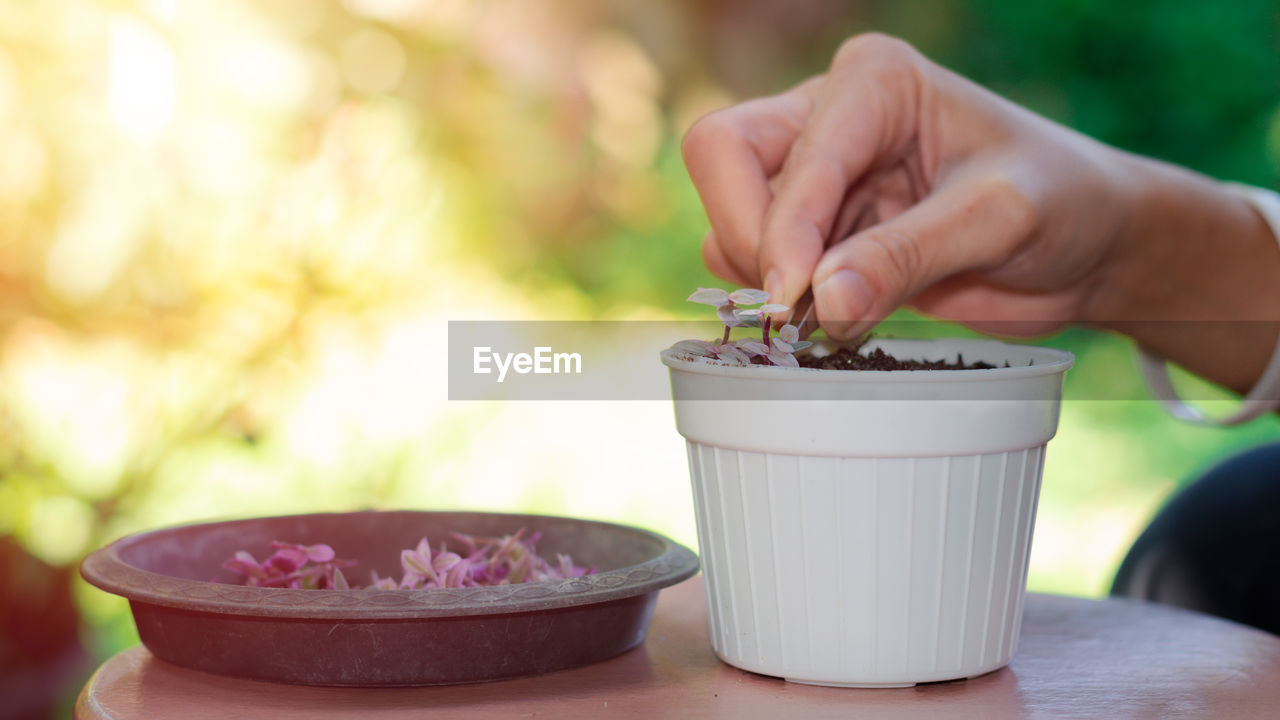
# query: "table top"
1078,658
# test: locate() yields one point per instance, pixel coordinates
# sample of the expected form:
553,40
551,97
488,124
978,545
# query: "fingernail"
773,285
842,299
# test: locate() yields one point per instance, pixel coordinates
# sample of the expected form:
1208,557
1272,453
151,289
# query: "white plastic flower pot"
868,528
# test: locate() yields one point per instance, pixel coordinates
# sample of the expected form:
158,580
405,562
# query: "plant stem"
765,325
725,339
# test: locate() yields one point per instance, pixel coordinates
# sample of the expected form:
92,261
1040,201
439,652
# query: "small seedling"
735,311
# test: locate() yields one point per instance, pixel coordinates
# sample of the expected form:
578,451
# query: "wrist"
1186,248
1264,395
1193,276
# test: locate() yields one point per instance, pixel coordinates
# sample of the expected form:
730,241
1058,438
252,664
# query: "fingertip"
787,260
843,300
714,257
787,288
793,237
773,286
847,332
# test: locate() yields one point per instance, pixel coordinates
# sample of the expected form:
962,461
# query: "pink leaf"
748,296
748,318
731,354
710,296
783,359
729,316
700,348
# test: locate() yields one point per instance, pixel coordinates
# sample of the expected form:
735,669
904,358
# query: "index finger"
865,116
731,155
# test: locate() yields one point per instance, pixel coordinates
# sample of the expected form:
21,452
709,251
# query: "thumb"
968,225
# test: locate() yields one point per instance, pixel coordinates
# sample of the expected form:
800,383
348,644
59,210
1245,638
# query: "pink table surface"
1078,658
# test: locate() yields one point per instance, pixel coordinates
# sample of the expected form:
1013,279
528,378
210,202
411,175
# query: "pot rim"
107,570
1055,362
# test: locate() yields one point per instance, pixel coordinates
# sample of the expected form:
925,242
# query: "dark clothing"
1215,547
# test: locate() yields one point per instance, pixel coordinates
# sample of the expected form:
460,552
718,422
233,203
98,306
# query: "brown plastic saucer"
189,612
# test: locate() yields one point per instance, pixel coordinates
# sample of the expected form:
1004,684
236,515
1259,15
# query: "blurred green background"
232,232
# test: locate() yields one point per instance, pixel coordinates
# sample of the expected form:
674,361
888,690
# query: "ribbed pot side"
860,569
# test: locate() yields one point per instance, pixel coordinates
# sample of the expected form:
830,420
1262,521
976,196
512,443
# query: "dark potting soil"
848,359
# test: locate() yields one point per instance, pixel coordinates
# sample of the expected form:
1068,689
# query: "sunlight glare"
142,79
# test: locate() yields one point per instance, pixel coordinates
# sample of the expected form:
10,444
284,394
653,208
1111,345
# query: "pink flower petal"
414,562
424,547
286,559
489,561
337,580
319,553
244,564
444,561
459,574
470,542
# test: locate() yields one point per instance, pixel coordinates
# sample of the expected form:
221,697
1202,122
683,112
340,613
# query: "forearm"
1194,276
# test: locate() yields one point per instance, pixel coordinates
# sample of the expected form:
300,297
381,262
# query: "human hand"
892,180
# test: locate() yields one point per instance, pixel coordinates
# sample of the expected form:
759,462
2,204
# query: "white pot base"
890,685
881,686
